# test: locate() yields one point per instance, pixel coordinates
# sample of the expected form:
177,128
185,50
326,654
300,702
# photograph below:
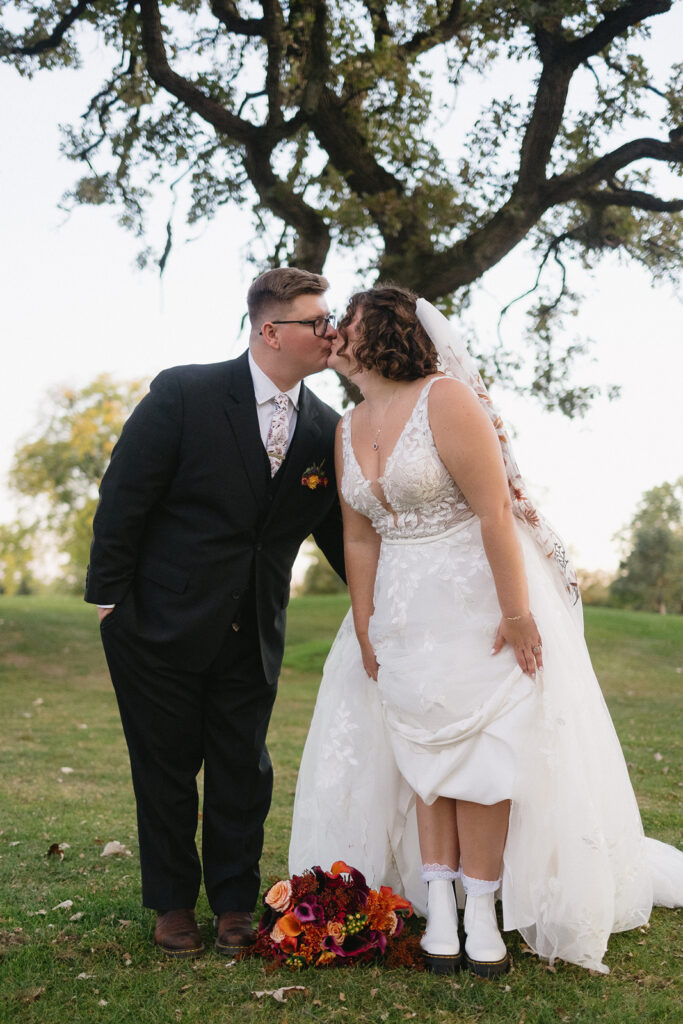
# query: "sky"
74,305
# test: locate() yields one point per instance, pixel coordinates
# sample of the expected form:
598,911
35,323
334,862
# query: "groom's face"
304,351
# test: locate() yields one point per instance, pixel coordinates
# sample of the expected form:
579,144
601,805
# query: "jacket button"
259,547
236,595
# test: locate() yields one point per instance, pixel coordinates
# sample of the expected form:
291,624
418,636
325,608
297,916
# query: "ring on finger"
537,648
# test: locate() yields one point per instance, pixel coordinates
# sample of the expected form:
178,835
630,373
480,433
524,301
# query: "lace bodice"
423,499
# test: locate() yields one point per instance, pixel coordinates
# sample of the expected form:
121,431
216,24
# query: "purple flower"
309,910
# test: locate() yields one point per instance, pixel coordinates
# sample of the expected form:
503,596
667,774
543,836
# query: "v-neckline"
379,480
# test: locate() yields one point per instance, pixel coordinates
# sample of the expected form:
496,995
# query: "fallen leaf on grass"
34,913
30,995
15,842
102,1002
66,771
281,995
113,848
37,702
77,916
64,905
57,850
83,976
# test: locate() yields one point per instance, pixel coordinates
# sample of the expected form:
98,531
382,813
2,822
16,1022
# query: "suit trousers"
174,721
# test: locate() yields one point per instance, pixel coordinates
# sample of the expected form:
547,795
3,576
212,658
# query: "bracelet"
515,618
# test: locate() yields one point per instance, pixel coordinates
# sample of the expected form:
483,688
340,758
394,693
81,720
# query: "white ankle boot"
440,941
485,950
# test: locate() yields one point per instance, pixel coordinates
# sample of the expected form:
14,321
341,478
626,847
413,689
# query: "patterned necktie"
278,434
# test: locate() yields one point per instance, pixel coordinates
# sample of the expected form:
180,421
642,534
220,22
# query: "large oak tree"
329,119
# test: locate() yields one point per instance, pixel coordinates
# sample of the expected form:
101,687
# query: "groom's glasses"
319,325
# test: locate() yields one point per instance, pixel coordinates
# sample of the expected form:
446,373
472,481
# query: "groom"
201,514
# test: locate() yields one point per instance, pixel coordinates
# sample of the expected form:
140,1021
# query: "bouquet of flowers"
328,917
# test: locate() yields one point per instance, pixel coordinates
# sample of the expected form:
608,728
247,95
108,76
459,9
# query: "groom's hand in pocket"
103,612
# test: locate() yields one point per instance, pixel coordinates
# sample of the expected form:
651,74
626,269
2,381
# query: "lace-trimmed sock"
439,872
478,886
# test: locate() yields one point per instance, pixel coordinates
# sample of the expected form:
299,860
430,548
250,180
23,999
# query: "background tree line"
57,471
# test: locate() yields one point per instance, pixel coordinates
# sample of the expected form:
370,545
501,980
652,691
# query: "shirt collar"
265,390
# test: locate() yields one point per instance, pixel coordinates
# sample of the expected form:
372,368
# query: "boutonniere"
314,477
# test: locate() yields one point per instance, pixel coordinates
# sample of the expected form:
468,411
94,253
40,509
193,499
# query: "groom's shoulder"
196,376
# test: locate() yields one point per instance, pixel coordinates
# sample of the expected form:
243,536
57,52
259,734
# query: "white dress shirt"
265,392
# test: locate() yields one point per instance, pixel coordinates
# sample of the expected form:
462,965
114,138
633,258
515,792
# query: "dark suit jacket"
189,521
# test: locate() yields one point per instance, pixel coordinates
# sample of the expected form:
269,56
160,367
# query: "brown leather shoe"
235,933
177,934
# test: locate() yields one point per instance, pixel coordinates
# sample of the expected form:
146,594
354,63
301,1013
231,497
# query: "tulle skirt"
446,718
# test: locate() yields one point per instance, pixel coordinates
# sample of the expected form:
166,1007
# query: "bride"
460,733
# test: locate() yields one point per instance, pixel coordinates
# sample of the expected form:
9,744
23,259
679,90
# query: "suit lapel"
240,408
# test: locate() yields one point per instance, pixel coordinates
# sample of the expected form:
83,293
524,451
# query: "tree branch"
274,24
227,13
615,23
562,187
52,41
634,199
381,28
160,72
560,59
440,33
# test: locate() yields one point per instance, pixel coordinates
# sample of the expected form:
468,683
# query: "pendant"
375,446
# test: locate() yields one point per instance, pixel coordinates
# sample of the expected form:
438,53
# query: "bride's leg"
483,830
437,825
440,853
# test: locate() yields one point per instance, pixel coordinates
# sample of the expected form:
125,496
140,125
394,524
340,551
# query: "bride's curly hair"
392,340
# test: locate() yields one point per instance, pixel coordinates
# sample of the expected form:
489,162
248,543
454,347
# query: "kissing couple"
460,735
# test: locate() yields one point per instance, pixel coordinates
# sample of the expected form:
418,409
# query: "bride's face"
343,345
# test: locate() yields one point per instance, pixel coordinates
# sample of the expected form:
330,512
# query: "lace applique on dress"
422,496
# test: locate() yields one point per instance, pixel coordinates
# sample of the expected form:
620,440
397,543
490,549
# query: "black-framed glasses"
319,324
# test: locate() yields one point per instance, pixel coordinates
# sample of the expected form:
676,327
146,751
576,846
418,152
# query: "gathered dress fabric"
448,718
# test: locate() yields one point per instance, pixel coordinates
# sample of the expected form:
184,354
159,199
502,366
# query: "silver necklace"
375,443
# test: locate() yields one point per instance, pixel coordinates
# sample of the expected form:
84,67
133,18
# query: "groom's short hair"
280,286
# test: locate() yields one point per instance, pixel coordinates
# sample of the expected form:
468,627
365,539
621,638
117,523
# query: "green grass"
58,711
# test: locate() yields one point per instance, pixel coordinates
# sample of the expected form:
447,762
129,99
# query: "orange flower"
326,958
279,896
290,925
288,944
339,868
312,481
395,902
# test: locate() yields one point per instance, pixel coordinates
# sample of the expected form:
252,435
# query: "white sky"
73,305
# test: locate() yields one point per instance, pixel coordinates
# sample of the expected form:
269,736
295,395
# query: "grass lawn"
66,780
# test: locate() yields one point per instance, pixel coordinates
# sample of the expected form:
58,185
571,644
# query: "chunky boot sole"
488,968
440,963
180,954
231,949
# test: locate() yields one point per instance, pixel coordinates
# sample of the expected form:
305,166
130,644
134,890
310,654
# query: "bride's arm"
468,446
361,551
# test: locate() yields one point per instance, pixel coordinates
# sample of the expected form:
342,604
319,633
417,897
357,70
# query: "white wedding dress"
448,719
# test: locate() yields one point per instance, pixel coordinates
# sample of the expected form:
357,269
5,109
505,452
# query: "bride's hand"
370,663
523,636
